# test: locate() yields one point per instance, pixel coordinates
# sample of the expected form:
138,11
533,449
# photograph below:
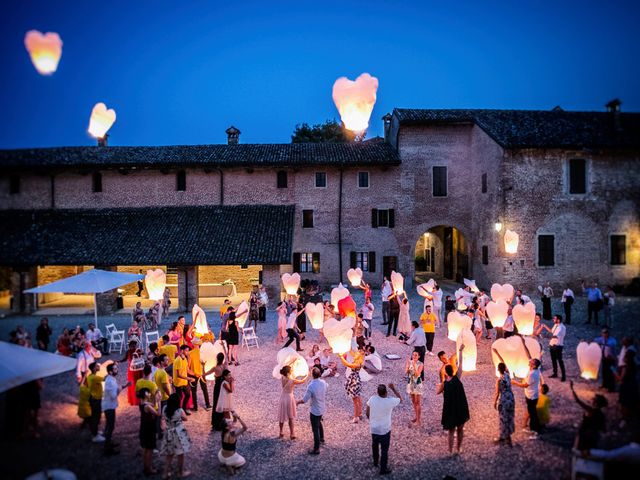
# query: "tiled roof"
246,155
539,128
194,235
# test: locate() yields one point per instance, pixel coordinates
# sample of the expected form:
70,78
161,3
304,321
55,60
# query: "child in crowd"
544,405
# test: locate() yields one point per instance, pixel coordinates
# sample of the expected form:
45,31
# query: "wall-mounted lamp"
498,226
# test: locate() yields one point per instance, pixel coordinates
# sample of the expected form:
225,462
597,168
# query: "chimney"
233,135
613,106
387,126
102,141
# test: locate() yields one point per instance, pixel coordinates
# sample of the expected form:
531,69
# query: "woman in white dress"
404,319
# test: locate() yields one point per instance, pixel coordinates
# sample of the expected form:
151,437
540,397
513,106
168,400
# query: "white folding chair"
151,337
110,329
116,340
249,338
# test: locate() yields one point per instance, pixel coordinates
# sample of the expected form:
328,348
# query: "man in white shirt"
509,325
85,357
367,315
372,361
94,335
385,291
317,393
437,304
556,345
531,385
567,301
292,330
379,409
109,406
417,340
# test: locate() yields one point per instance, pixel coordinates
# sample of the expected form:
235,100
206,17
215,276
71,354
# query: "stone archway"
442,252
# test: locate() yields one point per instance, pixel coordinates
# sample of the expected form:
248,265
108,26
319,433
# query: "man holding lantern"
531,385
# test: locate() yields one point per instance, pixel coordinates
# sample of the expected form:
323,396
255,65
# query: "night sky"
181,72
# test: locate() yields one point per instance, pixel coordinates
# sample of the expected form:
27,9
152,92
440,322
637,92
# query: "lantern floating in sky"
291,283
338,294
514,354
589,356
470,352
511,239
498,312
315,314
355,100
347,307
339,333
501,292
524,317
155,281
471,284
243,308
397,281
199,319
288,356
456,322
208,353
355,276
45,50
101,120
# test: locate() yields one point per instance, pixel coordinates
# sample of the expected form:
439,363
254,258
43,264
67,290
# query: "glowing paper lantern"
429,286
339,333
155,281
498,312
288,356
471,284
101,120
511,239
242,318
208,353
102,371
461,305
470,352
355,276
524,317
456,322
347,307
501,292
355,100
45,50
199,319
338,294
291,283
589,357
315,314
397,281
513,353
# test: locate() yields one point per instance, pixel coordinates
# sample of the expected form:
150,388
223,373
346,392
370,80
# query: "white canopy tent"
92,281
19,365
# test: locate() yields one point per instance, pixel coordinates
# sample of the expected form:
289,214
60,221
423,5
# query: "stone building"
424,200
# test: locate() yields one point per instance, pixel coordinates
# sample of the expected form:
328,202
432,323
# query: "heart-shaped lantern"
291,283
513,353
456,322
315,314
243,308
208,354
524,317
470,352
101,120
425,289
501,292
339,333
355,276
155,281
397,281
355,100
338,294
589,356
288,356
471,284
511,240
498,312
347,307
45,50
199,319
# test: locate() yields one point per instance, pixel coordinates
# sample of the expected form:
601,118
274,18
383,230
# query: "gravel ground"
415,452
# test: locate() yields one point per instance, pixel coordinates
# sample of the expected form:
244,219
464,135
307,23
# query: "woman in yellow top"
353,384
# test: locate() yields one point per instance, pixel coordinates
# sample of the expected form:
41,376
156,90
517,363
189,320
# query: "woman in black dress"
455,409
148,413
221,366
233,338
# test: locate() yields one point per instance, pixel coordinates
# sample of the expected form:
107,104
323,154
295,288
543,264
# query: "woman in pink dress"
282,322
287,407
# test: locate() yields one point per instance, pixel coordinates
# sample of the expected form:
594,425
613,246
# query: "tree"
327,132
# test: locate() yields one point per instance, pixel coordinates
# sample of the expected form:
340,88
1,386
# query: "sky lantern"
471,284
208,353
456,322
355,276
470,352
513,352
589,357
155,281
338,294
502,292
355,100
498,312
288,356
347,307
315,314
429,287
524,317
397,281
199,319
242,318
339,333
101,120
45,50
291,283
511,239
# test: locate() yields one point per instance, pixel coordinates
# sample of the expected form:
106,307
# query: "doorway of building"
389,264
441,253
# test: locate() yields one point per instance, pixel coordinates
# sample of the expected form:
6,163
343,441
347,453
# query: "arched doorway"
441,252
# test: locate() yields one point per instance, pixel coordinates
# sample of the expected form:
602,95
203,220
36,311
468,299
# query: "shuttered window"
618,249
439,181
306,262
577,176
546,250
366,261
181,181
307,218
282,180
383,218
321,179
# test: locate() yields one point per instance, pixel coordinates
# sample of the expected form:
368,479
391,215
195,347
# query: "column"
187,288
271,283
107,302
21,280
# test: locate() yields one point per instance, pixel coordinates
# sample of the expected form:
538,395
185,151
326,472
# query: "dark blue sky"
181,72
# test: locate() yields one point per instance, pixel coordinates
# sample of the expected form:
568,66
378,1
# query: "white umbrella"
20,365
92,281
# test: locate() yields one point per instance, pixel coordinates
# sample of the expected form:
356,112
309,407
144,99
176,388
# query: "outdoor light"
355,276
511,242
155,281
291,283
315,314
288,356
498,226
338,294
199,319
347,307
524,317
398,282
456,322
470,352
513,352
471,284
44,50
589,357
498,312
501,292
242,318
355,100
101,120
339,333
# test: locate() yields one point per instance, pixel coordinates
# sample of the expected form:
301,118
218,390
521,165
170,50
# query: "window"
282,179
485,255
484,183
181,181
546,253
366,261
363,179
97,182
306,262
382,218
439,181
307,218
14,184
618,249
321,179
577,176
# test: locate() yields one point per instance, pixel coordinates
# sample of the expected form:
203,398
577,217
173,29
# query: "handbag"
137,363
